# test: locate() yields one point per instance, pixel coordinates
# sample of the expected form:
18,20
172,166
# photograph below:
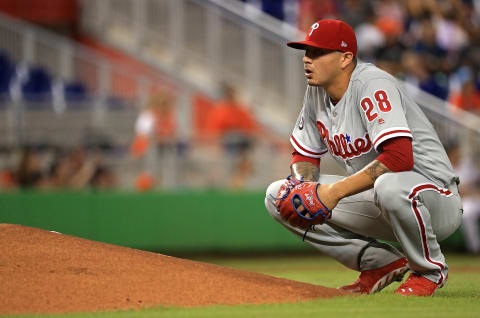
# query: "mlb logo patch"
381,121
343,44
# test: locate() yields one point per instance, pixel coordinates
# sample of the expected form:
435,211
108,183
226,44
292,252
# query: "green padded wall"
179,221
176,222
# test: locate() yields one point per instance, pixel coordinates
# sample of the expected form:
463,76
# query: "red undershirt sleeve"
297,157
397,154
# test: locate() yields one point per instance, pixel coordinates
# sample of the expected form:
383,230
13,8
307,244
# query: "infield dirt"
48,272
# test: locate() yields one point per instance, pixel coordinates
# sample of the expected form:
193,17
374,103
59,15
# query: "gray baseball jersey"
373,109
416,208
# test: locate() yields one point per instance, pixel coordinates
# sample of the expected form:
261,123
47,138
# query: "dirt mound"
47,272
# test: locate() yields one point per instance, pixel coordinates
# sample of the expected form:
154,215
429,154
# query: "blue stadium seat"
40,91
7,73
76,92
38,87
115,103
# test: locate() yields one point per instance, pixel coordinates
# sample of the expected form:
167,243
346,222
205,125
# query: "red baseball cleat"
417,285
374,280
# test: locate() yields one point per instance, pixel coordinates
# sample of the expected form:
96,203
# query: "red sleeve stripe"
297,157
391,134
305,151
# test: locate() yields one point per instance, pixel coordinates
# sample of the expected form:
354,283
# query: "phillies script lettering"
339,145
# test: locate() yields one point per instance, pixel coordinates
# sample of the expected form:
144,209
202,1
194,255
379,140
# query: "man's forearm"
306,170
375,169
360,181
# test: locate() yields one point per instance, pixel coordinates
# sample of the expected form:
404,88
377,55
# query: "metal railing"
214,41
192,46
59,123
28,46
114,96
209,43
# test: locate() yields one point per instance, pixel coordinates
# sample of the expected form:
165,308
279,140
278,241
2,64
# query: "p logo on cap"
313,28
329,34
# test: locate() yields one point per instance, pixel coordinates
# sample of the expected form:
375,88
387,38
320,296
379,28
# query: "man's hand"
299,205
328,196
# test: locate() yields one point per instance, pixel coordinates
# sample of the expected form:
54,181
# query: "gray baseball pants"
403,207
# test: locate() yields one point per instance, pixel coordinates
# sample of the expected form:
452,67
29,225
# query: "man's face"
321,66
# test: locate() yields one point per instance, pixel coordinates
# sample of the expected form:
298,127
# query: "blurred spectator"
390,17
202,108
450,34
356,12
387,17
417,73
73,170
369,37
231,116
154,124
434,56
103,178
233,125
469,66
59,172
469,188
7,179
468,98
155,137
388,57
29,173
79,169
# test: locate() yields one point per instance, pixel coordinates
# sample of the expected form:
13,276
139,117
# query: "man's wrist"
305,171
334,190
337,190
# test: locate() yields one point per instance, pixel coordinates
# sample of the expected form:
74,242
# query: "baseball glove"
298,204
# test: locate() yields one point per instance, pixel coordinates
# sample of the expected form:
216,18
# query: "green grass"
459,298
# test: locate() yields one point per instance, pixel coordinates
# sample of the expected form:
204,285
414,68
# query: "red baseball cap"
329,34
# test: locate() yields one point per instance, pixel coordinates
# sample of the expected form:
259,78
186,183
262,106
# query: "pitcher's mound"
47,272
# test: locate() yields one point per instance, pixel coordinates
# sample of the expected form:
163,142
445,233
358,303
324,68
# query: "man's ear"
347,59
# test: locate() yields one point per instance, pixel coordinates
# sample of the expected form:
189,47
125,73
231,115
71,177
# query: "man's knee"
471,209
389,194
271,195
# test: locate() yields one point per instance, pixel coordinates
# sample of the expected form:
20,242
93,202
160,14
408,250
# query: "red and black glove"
298,204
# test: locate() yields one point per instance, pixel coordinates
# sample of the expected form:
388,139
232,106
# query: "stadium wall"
170,223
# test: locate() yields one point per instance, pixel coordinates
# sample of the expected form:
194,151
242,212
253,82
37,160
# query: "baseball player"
400,184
